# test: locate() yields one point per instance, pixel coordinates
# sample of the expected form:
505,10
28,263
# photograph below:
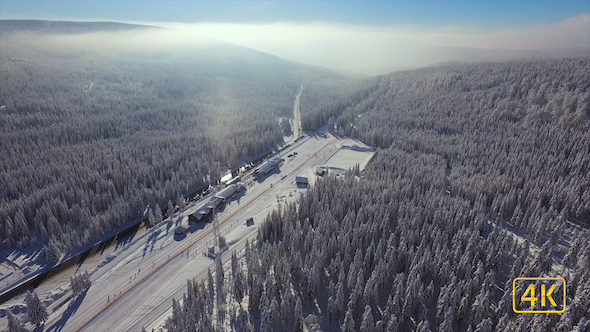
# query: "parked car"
250,221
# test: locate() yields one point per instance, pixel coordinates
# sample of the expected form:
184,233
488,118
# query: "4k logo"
538,295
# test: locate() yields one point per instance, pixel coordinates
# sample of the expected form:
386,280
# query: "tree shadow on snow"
72,308
238,196
179,237
126,236
151,242
104,245
169,225
195,226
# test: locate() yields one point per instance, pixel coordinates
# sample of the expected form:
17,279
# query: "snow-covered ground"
351,154
133,285
16,264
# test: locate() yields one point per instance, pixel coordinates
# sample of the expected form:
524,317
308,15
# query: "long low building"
227,192
268,165
264,168
301,180
202,212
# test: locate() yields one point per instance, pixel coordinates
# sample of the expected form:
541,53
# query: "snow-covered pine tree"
36,310
348,325
52,252
181,202
210,284
219,278
151,220
170,210
80,283
13,324
238,280
158,214
367,324
298,316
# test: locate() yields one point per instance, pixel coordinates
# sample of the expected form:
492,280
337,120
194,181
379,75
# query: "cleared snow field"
351,154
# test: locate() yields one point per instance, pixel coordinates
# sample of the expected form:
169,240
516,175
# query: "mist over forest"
98,125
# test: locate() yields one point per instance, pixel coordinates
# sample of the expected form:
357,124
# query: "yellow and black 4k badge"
538,295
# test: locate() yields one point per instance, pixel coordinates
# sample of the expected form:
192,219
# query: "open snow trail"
297,115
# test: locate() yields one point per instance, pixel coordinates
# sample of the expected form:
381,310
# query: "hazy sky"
362,36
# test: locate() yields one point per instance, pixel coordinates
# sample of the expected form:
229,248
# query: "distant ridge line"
70,27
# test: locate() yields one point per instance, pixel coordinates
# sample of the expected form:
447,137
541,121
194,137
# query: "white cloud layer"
362,49
374,49
144,41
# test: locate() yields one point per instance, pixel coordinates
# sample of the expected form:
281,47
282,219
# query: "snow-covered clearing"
351,154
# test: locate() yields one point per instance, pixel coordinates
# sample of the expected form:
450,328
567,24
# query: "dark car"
250,221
